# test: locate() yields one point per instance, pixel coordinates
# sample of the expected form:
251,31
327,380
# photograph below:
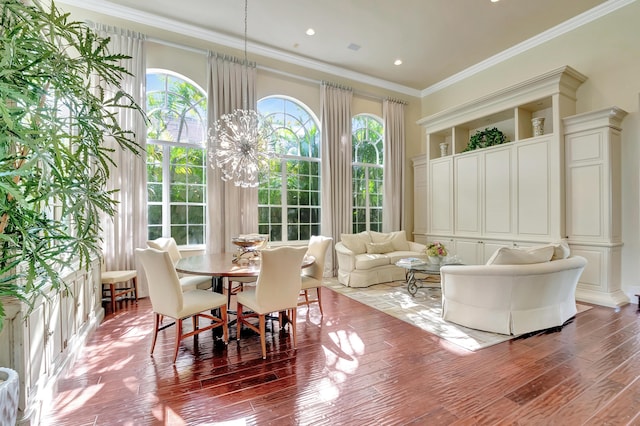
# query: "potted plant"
485,138
436,251
53,167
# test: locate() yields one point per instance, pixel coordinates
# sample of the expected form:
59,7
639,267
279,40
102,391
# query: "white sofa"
369,257
511,298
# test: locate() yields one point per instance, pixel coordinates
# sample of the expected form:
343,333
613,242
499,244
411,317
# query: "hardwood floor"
356,366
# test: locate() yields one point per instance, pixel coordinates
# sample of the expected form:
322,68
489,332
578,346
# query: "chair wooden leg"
135,288
292,319
263,342
156,326
112,292
306,297
178,338
239,320
225,327
319,300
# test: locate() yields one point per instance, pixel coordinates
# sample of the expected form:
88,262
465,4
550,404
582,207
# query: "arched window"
176,158
367,144
289,194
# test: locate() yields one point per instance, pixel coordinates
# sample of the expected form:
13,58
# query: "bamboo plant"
53,162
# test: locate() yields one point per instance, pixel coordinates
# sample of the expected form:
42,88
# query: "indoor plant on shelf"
485,138
54,166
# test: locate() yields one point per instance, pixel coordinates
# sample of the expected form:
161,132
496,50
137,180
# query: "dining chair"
188,282
312,276
277,289
169,300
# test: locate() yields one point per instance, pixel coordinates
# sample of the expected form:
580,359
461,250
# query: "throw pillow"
379,248
561,250
521,256
356,242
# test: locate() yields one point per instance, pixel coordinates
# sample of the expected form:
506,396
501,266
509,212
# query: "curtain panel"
336,152
231,210
394,165
127,230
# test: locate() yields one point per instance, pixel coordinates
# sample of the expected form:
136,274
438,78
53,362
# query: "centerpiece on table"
436,252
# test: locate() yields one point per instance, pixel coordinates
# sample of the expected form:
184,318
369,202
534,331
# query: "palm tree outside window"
367,144
176,158
289,193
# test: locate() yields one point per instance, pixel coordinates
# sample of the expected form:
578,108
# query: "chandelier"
240,142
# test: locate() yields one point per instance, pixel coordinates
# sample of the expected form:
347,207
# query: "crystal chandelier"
240,142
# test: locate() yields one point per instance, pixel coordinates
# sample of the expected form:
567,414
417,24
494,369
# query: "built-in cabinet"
561,184
594,201
40,344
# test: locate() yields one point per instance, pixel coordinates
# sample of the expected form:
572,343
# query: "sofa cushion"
521,256
380,248
368,261
397,238
357,243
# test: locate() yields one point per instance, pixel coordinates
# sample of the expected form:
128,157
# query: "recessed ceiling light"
310,31
495,1
397,62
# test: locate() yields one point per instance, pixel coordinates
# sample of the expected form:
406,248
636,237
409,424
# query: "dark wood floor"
356,366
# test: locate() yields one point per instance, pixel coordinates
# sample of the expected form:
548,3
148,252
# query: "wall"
608,53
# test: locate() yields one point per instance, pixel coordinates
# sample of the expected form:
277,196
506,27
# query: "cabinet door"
467,196
498,206
441,198
469,251
533,190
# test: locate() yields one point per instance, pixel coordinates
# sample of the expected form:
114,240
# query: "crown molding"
153,20
167,24
565,27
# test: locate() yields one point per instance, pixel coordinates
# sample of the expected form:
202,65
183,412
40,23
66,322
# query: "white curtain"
231,210
394,161
127,230
336,164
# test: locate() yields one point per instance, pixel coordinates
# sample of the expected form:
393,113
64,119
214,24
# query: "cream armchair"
511,299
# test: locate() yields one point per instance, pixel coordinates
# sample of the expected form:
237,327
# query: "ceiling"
435,39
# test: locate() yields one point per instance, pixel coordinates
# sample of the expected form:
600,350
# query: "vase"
435,260
538,126
9,396
444,149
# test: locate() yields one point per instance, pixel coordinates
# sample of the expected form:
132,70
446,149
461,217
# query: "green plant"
53,165
485,138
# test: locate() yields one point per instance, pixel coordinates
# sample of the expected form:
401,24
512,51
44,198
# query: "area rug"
423,311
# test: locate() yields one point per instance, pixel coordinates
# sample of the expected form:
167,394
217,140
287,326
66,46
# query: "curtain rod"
268,69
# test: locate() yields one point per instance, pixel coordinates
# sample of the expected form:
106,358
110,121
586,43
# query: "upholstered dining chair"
169,300
312,276
188,282
236,284
277,289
